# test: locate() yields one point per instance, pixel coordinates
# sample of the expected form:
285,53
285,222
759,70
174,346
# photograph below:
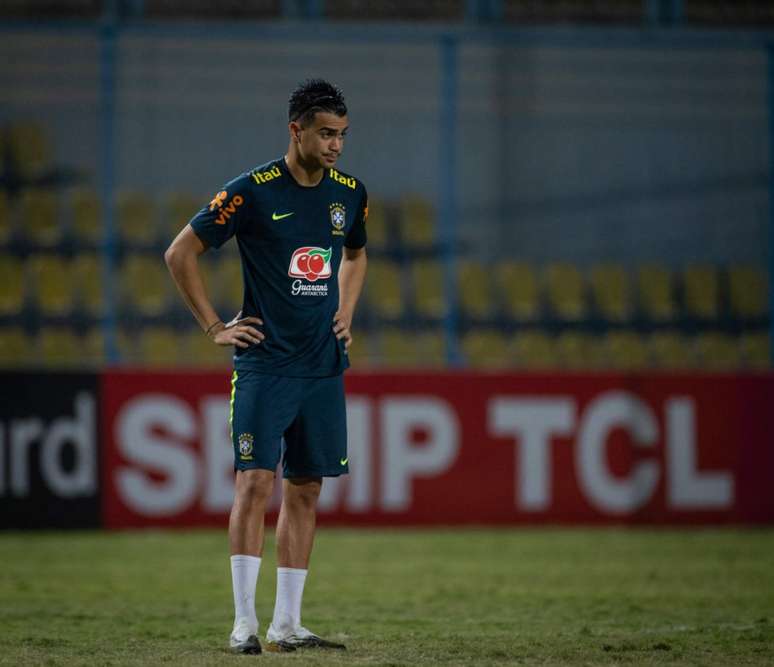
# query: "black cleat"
250,646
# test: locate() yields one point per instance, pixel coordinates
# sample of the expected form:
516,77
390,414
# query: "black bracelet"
207,333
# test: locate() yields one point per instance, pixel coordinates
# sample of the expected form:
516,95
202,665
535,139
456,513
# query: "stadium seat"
475,290
93,348
88,282
135,218
534,350
670,350
701,291
417,222
656,293
12,285
59,347
626,350
578,351
53,283
6,219
565,290
30,148
127,346
398,348
145,284
86,216
177,210
519,287
428,289
747,291
383,289
226,284
376,225
159,346
756,350
39,218
16,350
486,349
362,352
611,292
717,351
200,352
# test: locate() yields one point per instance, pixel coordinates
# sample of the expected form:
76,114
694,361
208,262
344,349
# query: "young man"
300,227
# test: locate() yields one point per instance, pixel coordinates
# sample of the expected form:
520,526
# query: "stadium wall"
135,448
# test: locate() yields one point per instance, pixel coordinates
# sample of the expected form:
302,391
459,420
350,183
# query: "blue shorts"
307,413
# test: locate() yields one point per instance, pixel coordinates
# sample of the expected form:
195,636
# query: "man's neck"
306,175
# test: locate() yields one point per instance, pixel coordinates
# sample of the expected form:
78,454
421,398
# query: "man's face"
322,141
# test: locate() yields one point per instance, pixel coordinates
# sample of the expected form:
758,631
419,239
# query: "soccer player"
300,227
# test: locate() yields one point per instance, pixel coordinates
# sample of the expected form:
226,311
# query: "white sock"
244,575
287,607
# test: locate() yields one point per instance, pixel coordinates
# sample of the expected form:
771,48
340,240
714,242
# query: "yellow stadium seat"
399,348
578,351
566,291
376,225
486,349
417,222
475,290
39,217
611,292
53,281
670,350
518,284
427,278
88,282
177,210
16,350
145,284
626,350
200,352
656,293
756,350
6,219
126,341
30,148
701,291
59,347
748,291
383,289
534,350
226,284
159,346
12,285
93,347
362,353
87,216
717,351
135,218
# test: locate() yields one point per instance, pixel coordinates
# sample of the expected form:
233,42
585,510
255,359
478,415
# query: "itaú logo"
310,263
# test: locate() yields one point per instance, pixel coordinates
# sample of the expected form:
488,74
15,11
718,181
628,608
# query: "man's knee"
254,486
302,493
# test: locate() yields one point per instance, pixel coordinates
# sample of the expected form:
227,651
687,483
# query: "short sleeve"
357,236
219,220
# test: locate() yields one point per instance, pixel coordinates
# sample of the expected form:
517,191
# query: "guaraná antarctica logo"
312,264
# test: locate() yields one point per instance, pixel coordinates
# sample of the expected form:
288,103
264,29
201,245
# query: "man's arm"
182,258
351,278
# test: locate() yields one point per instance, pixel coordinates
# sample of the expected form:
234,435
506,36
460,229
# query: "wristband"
207,333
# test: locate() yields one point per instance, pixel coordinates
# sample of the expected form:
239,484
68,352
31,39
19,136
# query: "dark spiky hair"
315,95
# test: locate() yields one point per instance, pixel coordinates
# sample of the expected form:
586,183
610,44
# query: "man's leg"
252,491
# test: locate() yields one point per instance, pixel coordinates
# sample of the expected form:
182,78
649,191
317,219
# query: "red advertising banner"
465,448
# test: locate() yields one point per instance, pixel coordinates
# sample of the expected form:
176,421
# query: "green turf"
454,597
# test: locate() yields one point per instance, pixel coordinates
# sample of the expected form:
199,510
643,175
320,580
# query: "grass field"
453,597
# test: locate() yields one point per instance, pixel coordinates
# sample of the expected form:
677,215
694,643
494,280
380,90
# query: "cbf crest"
246,444
338,218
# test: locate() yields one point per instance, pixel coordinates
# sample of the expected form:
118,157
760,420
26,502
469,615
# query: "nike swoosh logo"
344,461
274,215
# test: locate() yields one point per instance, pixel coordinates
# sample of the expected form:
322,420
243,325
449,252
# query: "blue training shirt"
291,240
